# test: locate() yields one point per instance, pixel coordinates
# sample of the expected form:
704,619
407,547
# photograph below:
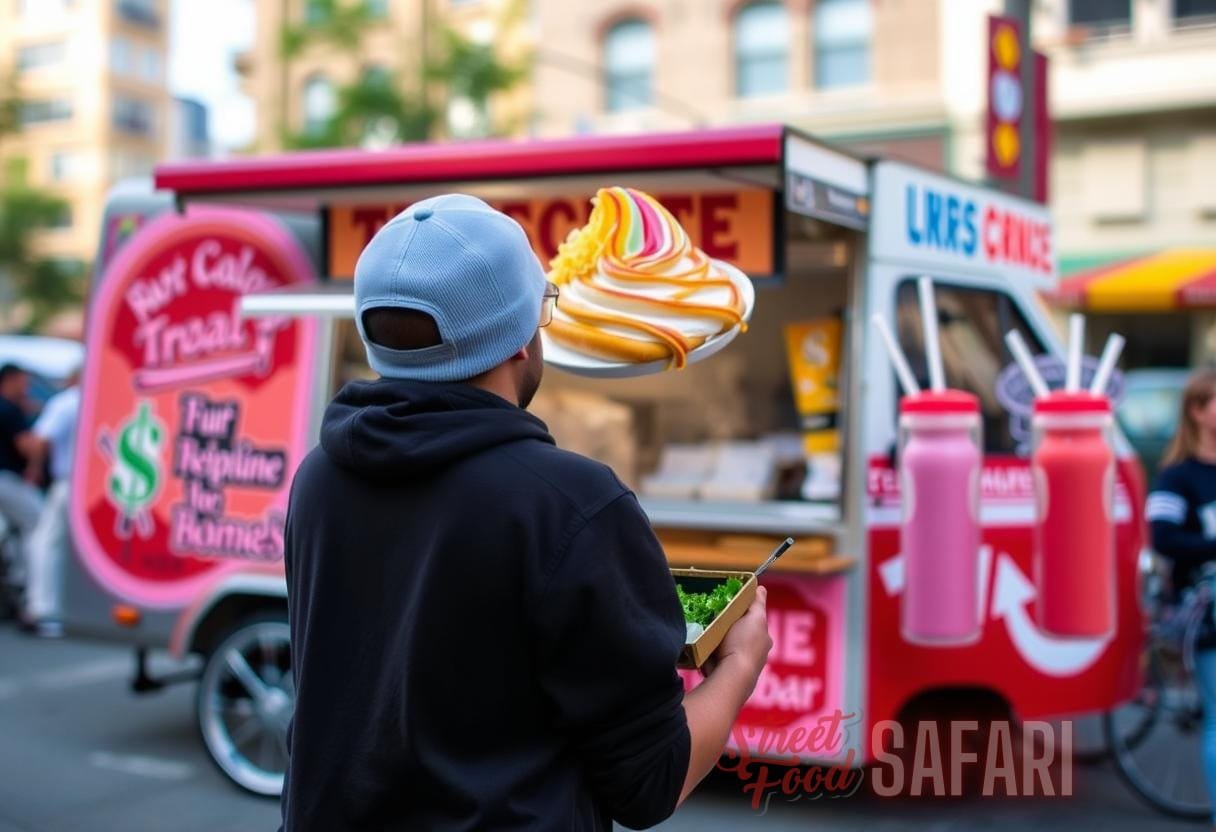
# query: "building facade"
868,74
91,80
1133,91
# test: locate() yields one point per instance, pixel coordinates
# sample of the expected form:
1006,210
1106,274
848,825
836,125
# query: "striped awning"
1176,278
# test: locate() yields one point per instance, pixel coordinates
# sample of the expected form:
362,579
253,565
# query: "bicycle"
1155,739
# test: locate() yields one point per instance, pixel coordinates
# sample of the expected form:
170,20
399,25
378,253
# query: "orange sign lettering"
736,226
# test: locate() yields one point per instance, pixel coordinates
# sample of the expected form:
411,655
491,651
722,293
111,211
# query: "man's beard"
529,381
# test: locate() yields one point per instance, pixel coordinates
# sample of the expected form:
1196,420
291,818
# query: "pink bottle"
940,460
1074,471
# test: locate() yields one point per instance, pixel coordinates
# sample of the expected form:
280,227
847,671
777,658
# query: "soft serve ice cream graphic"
636,291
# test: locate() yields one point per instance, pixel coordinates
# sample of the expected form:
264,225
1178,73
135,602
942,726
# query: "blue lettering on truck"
940,221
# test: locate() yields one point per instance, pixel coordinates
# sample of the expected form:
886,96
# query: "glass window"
761,49
842,32
67,166
149,66
972,326
1101,14
1184,9
45,110
320,102
35,9
141,12
131,115
122,56
316,11
377,8
39,55
628,66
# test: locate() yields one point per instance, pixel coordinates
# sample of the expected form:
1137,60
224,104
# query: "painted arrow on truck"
1012,594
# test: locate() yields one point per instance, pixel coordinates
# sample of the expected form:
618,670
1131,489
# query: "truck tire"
245,700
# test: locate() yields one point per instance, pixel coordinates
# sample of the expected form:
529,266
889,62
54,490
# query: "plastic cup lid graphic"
1078,402
942,401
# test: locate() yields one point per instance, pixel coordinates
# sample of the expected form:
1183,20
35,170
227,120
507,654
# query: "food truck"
220,326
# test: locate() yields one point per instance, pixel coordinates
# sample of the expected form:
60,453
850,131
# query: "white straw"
906,379
933,347
1110,355
1021,354
1076,348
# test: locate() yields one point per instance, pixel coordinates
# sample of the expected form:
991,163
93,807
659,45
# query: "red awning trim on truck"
478,161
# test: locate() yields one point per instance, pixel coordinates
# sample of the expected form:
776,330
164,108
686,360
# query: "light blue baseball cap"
466,265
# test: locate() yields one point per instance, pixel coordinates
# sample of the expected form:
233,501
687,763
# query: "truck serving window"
973,323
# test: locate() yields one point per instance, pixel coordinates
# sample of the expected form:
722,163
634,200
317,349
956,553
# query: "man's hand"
747,643
731,675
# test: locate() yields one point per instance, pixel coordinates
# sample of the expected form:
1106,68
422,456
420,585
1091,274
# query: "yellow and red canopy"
1176,278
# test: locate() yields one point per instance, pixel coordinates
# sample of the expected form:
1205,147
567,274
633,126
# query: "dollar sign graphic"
135,476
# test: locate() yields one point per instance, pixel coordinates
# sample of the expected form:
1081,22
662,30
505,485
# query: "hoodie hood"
394,430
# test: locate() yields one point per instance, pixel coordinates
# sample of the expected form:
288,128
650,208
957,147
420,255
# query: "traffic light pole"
1020,10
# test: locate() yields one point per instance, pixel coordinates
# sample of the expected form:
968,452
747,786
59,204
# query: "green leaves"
703,607
452,69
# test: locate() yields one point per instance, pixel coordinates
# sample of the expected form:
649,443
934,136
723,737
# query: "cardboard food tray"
704,580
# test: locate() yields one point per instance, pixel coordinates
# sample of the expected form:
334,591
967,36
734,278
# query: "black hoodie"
484,628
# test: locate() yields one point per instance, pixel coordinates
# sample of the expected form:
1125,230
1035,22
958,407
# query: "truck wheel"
245,700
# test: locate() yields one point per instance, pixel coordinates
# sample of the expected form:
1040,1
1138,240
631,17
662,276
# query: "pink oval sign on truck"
192,420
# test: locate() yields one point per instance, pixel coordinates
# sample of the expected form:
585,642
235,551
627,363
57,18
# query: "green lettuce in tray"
703,607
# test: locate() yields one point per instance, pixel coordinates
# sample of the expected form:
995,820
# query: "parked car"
1148,413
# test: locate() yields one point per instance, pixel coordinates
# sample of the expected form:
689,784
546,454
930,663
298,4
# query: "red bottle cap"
1061,401
945,401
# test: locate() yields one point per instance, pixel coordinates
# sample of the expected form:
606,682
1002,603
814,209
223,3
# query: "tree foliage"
374,110
41,285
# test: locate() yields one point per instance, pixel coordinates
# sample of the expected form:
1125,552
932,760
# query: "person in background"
1182,513
20,498
54,437
515,623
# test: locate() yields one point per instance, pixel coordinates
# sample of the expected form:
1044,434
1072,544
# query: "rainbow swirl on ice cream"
635,289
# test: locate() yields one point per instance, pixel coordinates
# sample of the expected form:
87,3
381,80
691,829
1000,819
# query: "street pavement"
79,752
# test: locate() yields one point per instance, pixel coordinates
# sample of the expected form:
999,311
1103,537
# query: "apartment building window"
1194,11
377,8
1101,16
628,66
317,12
150,65
122,56
843,30
320,102
139,12
41,55
42,111
67,166
131,115
762,35
35,9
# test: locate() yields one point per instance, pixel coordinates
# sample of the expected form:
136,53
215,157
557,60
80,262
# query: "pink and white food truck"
219,326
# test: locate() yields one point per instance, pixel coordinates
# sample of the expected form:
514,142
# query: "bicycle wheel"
1155,740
